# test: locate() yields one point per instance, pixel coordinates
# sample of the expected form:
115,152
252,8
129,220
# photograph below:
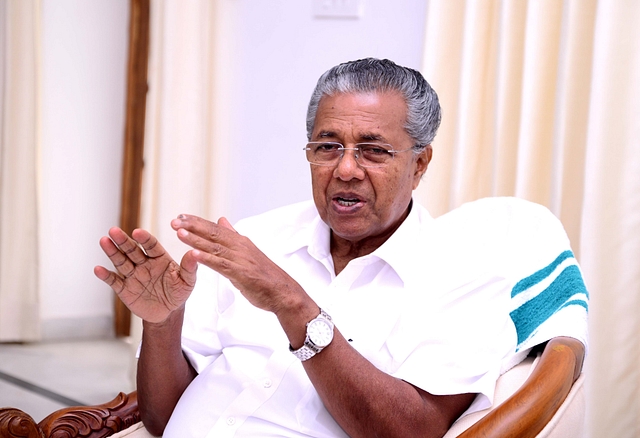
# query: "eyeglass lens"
366,154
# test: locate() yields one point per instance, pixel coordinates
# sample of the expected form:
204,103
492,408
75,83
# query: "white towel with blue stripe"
526,244
545,293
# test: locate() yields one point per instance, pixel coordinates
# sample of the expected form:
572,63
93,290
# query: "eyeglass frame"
392,152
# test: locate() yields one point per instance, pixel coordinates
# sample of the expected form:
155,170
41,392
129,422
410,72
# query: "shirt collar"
314,235
400,251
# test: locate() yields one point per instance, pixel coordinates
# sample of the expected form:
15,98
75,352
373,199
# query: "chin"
350,234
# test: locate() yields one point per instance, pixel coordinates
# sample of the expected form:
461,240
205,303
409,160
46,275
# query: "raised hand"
147,280
221,248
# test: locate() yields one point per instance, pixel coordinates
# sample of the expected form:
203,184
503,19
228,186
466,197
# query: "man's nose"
348,167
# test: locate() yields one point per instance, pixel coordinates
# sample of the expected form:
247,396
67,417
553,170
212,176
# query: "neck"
344,250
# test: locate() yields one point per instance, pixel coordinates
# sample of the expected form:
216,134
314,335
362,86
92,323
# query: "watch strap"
305,352
309,349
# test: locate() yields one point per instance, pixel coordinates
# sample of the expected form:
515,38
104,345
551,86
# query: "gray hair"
381,75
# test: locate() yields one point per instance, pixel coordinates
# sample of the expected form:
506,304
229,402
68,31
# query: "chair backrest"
551,395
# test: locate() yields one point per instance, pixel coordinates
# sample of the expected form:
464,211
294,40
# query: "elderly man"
324,318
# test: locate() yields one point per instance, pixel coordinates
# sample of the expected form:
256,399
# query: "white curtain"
185,118
611,221
541,100
19,66
183,172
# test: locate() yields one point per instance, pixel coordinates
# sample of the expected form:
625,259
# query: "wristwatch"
319,335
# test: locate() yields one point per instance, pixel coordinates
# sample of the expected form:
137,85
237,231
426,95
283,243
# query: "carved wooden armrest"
83,421
531,407
524,414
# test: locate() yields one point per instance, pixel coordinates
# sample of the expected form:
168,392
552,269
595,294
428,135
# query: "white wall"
84,49
274,52
277,51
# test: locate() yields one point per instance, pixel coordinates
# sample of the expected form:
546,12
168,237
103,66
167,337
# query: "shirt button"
231,421
267,383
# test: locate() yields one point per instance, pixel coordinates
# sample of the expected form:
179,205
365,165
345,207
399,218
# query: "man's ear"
422,162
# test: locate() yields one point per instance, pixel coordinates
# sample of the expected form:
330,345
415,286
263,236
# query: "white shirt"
430,306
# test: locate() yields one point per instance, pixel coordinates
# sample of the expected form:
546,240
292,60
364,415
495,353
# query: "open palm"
147,280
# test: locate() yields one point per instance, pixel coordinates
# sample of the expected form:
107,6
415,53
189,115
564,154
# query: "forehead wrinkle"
341,123
360,136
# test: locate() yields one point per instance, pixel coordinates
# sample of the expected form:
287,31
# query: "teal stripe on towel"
528,317
543,273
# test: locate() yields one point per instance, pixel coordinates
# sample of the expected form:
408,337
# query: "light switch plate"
338,8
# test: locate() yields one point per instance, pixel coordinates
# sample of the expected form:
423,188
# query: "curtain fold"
185,118
19,94
183,80
572,112
541,100
540,67
611,222
509,96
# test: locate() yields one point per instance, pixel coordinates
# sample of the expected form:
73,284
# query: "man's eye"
374,150
327,147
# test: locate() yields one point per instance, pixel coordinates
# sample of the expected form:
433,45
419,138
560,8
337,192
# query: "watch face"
320,332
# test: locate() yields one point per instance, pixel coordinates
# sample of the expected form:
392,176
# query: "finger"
224,222
211,244
148,242
209,251
223,234
195,224
127,246
187,226
110,278
121,262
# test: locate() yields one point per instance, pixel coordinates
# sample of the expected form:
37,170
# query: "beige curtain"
541,100
611,221
183,121
185,116
19,65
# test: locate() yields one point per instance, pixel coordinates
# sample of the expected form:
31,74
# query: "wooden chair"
541,397
553,375
84,421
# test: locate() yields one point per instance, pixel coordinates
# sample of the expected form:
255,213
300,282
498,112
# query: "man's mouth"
347,202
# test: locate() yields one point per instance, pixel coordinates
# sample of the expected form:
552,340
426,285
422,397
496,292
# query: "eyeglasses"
329,153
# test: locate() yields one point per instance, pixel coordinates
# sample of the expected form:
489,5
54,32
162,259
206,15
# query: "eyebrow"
326,134
361,137
371,137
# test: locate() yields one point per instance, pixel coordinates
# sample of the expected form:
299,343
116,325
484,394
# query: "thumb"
188,268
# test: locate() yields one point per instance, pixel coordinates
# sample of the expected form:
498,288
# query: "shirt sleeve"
499,278
458,346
